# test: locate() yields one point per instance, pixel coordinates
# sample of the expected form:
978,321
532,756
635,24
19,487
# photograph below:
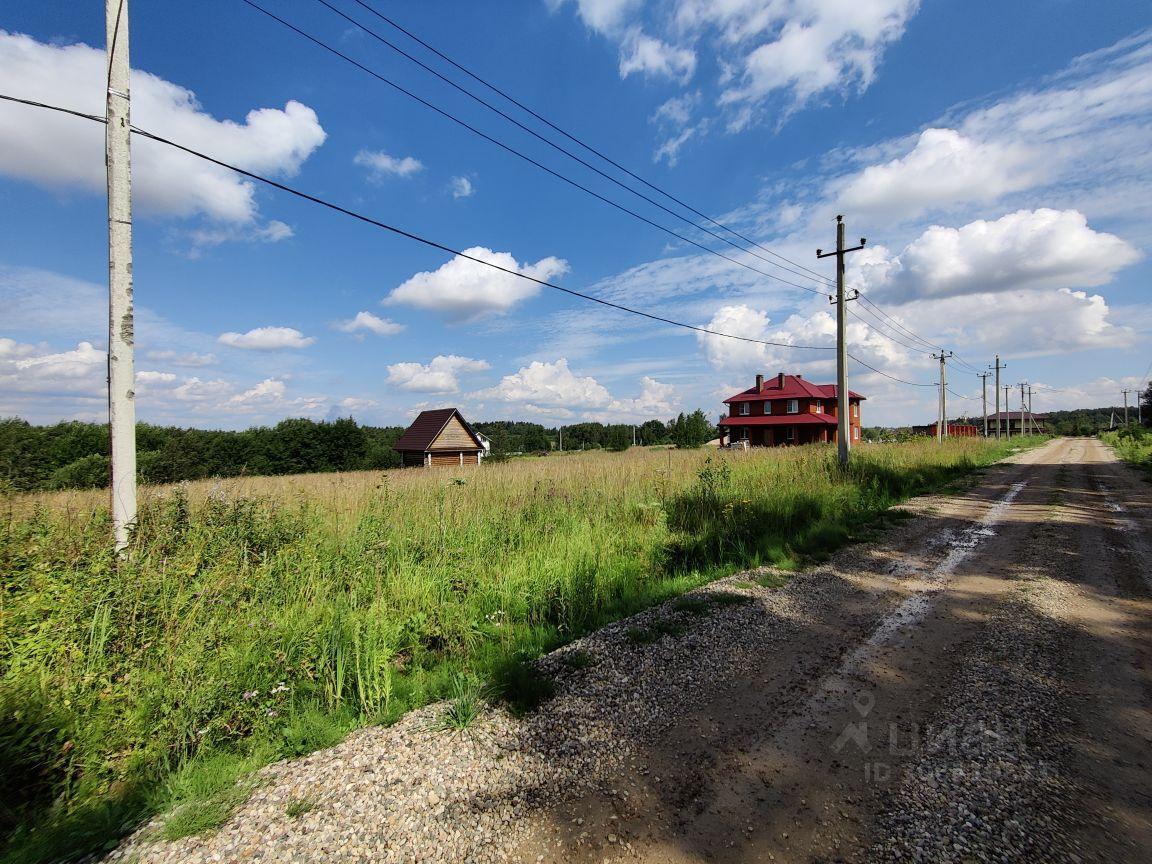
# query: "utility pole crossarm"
843,426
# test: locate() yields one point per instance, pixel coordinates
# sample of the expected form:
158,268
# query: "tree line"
73,454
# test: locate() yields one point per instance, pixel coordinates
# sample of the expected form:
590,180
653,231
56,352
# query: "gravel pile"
991,783
413,792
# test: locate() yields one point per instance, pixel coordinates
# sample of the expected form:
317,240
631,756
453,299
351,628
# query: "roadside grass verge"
1133,444
260,619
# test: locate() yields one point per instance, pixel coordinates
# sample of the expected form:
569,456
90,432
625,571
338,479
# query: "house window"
856,432
855,409
743,433
789,434
767,408
819,407
793,406
744,409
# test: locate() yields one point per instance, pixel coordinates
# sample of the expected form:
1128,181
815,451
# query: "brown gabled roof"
427,427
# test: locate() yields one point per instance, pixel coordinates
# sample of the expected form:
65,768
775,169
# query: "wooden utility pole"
984,396
998,367
842,425
942,423
1007,413
121,326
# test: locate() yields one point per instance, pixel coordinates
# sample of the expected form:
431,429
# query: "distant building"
953,430
787,409
441,438
1010,421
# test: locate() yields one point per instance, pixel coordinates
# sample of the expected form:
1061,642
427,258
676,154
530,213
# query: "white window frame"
855,409
793,406
745,409
768,408
743,433
819,406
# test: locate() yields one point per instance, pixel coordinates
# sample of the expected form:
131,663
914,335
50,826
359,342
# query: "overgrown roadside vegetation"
263,618
1132,444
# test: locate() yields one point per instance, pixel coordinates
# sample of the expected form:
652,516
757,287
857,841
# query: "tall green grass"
1132,444
257,619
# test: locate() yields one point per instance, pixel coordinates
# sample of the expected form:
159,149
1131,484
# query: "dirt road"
981,693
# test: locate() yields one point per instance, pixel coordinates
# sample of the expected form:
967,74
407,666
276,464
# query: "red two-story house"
787,410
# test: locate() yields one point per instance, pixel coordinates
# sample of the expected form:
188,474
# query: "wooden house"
441,438
787,409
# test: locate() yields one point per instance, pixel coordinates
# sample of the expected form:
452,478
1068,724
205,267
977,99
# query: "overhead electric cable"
447,114
875,326
886,375
411,236
815,277
895,323
504,94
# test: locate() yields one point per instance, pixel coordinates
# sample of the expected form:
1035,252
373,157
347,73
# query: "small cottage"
441,438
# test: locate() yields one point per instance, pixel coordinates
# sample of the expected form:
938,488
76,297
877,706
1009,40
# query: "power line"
875,328
445,248
418,238
915,336
912,335
816,277
579,141
886,375
520,154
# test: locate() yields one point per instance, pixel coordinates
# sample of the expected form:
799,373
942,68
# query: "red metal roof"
427,426
782,420
795,387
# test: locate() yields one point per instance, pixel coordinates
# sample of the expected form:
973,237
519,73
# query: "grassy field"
263,618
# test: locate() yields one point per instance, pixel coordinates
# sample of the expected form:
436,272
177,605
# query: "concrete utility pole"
121,336
1007,413
1031,416
1126,392
942,423
842,425
1022,385
998,367
983,376
561,439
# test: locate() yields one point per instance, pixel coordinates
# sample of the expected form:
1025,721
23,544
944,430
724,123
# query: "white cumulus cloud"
944,168
551,384
647,55
63,152
1026,249
267,339
381,165
441,375
367,322
461,187
463,289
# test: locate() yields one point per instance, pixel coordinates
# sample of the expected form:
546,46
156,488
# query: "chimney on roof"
780,382
759,382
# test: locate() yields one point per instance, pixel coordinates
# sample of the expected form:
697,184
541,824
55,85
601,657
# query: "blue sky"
995,155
